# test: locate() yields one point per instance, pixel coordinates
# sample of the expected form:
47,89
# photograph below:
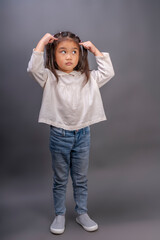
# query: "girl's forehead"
67,43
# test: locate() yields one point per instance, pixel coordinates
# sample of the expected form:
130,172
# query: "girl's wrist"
40,46
97,53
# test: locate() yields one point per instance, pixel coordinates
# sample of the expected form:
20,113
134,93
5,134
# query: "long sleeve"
36,67
105,69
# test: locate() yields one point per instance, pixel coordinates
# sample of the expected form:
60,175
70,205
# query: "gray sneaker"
58,225
86,222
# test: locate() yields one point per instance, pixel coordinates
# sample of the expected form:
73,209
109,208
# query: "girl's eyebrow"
66,48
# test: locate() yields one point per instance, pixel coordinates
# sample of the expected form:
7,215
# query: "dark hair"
50,48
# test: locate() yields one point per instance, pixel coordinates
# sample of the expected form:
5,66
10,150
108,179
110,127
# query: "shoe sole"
57,231
88,229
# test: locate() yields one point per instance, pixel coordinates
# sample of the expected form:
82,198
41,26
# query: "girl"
71,103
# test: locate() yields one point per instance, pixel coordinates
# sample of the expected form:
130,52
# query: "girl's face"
67,55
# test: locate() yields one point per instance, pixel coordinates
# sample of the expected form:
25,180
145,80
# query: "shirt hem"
75,127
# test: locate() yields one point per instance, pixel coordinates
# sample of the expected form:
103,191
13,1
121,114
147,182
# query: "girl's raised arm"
91,47
36,64
47,38
105,68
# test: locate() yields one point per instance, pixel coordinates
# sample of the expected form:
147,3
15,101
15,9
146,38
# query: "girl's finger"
83,44
54,37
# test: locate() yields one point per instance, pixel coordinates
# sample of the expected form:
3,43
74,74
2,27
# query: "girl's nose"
68,56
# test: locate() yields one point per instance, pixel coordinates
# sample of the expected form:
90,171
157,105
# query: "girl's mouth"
68,63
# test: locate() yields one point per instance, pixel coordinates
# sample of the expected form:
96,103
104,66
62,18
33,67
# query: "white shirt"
69,104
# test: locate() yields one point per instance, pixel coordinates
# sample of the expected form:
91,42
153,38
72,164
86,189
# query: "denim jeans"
70,154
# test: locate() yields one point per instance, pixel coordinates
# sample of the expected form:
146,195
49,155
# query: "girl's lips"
68,63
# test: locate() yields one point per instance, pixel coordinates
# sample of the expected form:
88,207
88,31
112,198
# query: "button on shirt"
70,103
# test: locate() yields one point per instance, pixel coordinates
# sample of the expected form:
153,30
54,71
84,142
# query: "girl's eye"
74,52
63,51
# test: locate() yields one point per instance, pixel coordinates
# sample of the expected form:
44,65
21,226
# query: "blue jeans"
70,153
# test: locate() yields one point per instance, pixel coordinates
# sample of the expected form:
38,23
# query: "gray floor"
123,199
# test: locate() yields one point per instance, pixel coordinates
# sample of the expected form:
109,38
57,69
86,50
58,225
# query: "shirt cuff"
37,53
105,54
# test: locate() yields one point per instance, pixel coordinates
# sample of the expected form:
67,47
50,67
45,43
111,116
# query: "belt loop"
63,132
83,130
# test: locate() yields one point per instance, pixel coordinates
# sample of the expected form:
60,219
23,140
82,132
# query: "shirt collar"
73,73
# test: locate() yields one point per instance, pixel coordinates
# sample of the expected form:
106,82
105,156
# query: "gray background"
125,150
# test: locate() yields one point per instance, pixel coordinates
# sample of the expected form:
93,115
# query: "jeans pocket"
56,131
57,139
87,130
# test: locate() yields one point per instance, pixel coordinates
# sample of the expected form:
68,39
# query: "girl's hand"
90,46
48,38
